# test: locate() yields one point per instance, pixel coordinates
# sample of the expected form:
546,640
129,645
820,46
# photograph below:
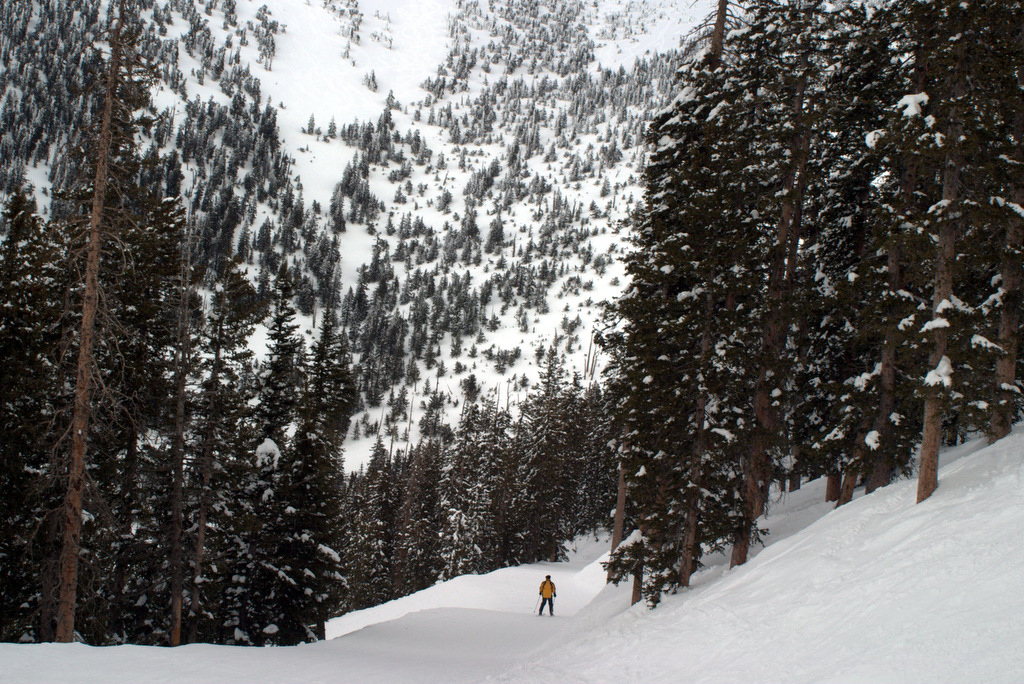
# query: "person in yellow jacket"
547,592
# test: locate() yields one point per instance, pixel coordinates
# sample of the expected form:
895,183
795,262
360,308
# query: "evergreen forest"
811,221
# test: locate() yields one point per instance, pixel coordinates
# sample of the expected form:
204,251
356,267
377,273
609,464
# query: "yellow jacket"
547,588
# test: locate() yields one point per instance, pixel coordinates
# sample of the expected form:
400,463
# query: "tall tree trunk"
881,470
182,362
86,358
718,34
692,516
1013,250
620,512
931,437
689,560
757,465
949,228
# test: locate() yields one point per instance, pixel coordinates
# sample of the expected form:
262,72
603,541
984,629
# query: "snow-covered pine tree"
316,474
467,527
417,559
223,429
854,413
281,373
773,99
369,543
671,334
952,111
127,342
1004,398
261,580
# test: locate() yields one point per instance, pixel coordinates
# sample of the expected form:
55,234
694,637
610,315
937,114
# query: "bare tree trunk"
86,359
881,471
833,485
620,510
689,548
182,362
692,517
718,35
931,436
638,586
846,491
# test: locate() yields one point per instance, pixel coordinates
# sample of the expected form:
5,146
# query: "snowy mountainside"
881,589
456,177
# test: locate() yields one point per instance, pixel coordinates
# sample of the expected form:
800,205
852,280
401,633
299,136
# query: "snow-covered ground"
880,590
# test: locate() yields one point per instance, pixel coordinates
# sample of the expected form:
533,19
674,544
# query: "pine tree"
939,130
856,415
542,498
86,362
123,347
280,375
674,337
223,430
1007,397
417,562
32,284
369,548
316,479
467,529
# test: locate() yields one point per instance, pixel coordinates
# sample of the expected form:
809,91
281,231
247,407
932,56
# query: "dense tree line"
273,538
827,268
210,502
146,456
492,491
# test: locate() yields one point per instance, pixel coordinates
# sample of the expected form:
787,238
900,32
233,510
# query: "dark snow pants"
550,603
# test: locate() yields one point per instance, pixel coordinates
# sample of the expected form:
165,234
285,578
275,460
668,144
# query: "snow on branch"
941,374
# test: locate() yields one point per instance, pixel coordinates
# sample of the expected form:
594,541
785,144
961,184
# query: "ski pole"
537,604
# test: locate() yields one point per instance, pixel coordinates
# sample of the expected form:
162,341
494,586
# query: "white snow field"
880,590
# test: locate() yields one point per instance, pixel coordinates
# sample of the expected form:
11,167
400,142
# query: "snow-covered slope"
880,590
457,177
